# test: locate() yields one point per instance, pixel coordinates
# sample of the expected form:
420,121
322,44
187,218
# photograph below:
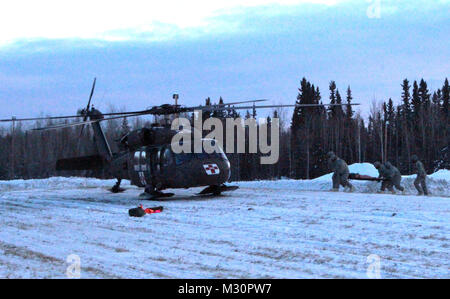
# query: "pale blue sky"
239,50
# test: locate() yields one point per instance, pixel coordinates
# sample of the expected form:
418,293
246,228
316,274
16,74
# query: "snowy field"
266,229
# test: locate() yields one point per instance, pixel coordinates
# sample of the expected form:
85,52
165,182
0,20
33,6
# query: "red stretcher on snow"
362,177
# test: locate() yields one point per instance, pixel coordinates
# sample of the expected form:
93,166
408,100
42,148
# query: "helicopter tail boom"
81,163
95,116
101,142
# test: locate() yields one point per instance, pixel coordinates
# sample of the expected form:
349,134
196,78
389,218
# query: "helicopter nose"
215,172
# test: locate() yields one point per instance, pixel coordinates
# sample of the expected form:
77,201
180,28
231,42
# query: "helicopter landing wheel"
155,195
150,193
217,190
149,189
211,190
116,188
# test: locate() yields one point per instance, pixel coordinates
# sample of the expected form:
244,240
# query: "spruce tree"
125,127
406,100
446,100
332,88
207,114
416,103
219,113
349,110
424,94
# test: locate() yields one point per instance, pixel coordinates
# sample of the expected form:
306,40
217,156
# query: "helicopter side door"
166,160
154,156
140,170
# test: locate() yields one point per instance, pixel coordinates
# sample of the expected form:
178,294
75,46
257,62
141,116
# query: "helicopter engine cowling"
148,136
137,138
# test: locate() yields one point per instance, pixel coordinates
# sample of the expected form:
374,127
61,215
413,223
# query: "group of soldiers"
388,174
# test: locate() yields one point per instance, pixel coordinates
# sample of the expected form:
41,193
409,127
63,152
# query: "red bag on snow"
140,211
152,210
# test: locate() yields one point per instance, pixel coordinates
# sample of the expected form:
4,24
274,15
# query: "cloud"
244,52
94,22
118,20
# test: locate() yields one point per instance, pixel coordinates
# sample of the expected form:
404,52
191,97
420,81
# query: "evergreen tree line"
419,125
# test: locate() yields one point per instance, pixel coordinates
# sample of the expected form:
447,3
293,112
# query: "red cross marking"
211,169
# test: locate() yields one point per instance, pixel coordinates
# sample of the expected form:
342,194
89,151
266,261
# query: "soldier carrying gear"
391,175
395,177
420,181
383,174
330,155
340,172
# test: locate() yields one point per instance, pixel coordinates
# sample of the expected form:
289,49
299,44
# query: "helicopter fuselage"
146,157
161,168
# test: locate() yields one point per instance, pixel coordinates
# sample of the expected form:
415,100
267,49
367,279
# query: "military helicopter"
147,158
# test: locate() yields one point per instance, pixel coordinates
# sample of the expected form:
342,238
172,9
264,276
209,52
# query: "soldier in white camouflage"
340,173
420,182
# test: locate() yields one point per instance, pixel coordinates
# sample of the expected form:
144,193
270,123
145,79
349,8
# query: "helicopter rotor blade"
241,102
168,110
40,118
189,109
214,108
87,122
158,110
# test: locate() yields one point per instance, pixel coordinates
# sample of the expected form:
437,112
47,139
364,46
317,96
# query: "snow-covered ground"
266,229
438,183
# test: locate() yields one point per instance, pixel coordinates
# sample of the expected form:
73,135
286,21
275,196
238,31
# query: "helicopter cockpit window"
218,151
184,158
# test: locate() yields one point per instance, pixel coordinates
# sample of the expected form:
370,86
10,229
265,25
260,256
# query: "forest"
418,124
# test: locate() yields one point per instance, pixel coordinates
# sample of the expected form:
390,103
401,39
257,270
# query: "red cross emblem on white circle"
211,169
